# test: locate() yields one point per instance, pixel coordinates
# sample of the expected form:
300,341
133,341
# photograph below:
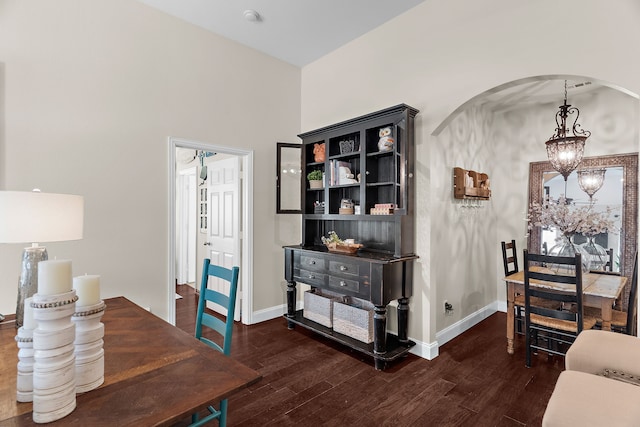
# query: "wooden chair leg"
527,336
223,415
519,320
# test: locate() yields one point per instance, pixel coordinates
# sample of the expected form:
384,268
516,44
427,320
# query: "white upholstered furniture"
601,385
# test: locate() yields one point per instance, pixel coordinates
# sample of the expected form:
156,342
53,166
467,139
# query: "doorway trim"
246,265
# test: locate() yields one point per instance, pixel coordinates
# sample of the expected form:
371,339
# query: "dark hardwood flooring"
311,381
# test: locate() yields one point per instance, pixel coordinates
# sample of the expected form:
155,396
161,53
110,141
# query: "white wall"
459,233
610,115
436,57
92,90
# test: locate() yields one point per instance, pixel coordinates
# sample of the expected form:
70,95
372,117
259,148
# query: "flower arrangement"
335,244
333,238
569,219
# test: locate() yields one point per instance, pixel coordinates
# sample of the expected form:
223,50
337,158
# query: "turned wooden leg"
291,302
403,320
380,334
510,317
606,311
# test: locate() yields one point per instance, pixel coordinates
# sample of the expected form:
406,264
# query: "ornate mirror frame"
629,231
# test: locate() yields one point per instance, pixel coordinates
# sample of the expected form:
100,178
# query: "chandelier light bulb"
566,147
591,180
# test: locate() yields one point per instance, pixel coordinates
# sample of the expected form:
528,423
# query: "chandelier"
591,180
566,147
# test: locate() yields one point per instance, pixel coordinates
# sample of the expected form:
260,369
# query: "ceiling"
295,31
302,31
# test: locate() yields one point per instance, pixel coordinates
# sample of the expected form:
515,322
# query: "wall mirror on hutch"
366,193
619,191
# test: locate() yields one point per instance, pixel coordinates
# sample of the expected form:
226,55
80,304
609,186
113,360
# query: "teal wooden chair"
224,328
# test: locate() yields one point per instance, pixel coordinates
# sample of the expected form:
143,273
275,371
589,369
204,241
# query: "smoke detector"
251,15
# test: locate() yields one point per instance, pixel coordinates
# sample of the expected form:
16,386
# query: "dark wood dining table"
155,374
598,290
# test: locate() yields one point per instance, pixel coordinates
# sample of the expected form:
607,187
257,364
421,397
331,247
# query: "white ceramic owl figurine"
385,143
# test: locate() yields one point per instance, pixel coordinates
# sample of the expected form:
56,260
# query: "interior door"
223,184
186,192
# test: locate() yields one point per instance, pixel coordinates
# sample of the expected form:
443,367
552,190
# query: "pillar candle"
88,289
28,322
54,276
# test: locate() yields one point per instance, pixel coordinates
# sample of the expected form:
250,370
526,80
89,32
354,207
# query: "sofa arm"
595,351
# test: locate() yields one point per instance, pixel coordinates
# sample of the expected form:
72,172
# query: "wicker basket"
354,318
318,306
344,248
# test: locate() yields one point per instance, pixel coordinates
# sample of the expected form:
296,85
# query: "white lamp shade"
33,217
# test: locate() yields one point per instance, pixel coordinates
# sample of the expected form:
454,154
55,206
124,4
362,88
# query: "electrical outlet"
448,308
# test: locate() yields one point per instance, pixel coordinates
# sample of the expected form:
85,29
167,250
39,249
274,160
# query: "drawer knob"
311,276
343,283
312,262
343,268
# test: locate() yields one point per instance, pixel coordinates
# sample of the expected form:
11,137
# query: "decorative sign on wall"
468,184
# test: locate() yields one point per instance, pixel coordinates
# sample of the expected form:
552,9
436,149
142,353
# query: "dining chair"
556,327
509,257
510,263
621,320
224,328
608,266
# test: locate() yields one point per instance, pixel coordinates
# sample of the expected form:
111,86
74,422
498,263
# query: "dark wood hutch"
381,271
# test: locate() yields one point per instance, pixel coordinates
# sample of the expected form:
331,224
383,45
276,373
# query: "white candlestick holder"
24,383
54,386
89,345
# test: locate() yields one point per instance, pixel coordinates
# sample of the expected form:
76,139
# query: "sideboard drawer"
311,278
341,284
341,267
312,262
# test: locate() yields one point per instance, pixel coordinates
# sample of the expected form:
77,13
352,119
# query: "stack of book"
340,173
383,209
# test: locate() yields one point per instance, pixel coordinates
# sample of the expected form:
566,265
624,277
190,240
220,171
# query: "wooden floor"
311,381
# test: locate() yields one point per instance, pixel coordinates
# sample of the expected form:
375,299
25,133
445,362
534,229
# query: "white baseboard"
427,351
450,332
271,313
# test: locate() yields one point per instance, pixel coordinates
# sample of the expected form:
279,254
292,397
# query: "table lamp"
35,217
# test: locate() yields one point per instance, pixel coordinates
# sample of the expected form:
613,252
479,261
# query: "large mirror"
289,183
618,193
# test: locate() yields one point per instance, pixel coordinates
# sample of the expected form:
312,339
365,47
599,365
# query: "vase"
598,255
316,184
566,248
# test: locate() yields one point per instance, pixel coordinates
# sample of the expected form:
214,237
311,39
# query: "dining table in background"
154,374
598,290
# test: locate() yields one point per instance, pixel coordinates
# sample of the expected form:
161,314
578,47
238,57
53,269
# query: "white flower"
570,219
